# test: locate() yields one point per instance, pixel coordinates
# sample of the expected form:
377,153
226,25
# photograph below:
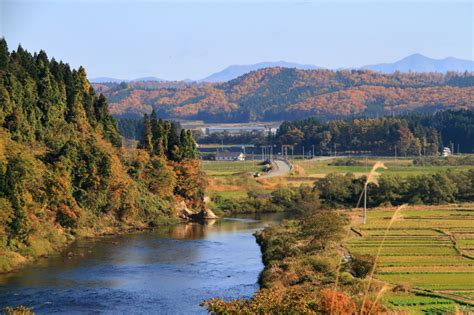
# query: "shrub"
322,264
324,228
346,162
361,265
336,302
17,310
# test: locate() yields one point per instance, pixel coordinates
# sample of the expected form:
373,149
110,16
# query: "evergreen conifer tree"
145,142
4,56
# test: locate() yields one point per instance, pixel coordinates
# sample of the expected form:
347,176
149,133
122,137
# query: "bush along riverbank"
307,271
63,171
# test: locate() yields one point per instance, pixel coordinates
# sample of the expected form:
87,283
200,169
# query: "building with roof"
229,156
238,129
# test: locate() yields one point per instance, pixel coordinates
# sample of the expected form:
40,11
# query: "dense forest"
282,93
130,128
63,170
414,134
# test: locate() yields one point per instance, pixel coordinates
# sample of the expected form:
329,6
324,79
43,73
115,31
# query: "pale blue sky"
194,38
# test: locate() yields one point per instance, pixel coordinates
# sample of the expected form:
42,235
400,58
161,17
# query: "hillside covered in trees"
284,93
63,170
413,135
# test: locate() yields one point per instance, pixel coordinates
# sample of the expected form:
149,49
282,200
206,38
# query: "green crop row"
406,251
434,281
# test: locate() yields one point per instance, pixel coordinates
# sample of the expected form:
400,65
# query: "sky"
190,39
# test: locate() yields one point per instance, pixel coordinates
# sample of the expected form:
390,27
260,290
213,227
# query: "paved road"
280,168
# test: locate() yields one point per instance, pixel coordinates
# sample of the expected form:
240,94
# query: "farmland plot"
430,249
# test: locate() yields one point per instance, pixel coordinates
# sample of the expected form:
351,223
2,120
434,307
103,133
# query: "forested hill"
63,171
284,93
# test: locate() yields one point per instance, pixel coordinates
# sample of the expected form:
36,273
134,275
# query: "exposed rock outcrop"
185,213
204,214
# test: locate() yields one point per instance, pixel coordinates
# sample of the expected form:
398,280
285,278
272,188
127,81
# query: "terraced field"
430,249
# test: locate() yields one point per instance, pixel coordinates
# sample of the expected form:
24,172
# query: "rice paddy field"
427,248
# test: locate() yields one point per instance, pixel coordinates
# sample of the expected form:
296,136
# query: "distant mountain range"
420,63
413,63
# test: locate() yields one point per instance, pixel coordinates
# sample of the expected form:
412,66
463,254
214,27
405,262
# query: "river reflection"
166,271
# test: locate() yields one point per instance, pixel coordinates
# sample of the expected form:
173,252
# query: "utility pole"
303,152
365,203
313,151
253,160
292,154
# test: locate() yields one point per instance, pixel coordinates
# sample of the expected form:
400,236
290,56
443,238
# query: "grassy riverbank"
303,273
55,241
422,267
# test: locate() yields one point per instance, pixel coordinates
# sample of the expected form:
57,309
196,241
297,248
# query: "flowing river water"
169,270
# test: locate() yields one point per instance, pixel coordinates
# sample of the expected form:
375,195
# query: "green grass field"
423,249
400,167
226,168
239,194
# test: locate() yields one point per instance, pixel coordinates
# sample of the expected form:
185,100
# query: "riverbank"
59,239
303,273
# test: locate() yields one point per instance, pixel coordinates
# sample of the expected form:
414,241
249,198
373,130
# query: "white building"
238,129
446,152
229,156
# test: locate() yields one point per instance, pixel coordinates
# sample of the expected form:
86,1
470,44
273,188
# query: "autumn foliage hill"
63,170
287,94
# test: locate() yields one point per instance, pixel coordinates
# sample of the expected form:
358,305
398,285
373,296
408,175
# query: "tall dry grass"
372,177
367,289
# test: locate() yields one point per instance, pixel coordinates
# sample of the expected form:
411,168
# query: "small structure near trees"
229,156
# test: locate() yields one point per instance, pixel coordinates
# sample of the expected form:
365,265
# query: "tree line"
413,134
336,191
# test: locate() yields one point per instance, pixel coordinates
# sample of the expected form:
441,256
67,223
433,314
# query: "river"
169,270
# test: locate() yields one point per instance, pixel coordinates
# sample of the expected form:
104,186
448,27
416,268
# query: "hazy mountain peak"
420,63
234,71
